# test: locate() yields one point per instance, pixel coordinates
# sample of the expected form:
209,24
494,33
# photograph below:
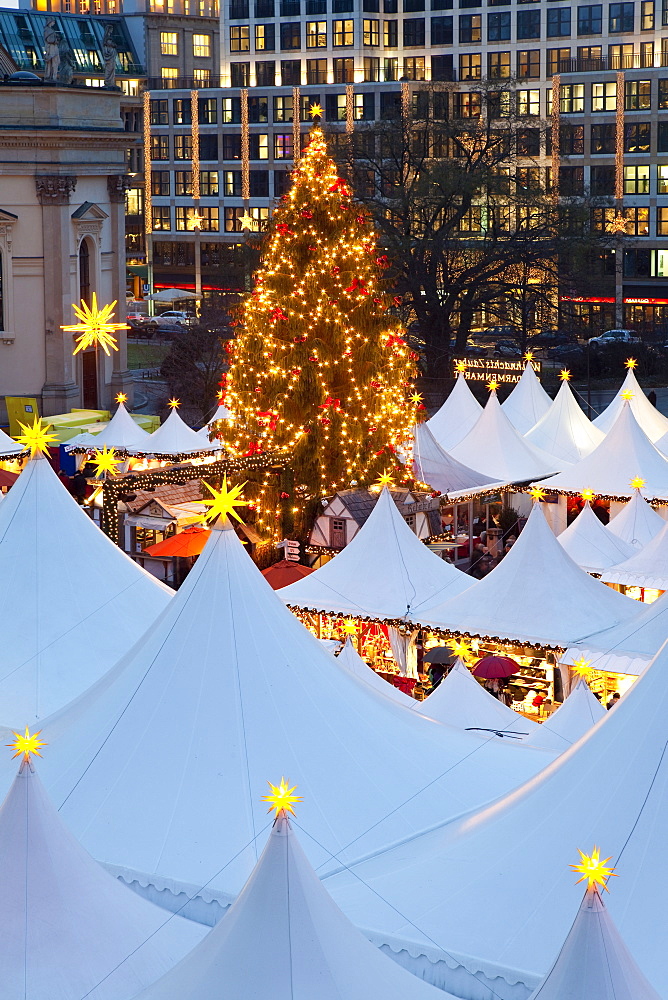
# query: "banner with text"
493,369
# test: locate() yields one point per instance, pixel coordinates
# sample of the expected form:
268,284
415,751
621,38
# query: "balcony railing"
607,63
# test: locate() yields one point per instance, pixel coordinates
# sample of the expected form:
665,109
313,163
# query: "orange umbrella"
188,542
285,572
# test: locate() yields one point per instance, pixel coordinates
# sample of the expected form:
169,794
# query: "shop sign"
493,369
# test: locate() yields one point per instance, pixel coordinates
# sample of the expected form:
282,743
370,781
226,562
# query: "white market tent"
67,928
594,961
653,423
434,466
460,700
72,602
84,441
493,444
174,438
156,767
222,413
528,402
636,523
284,938
352,661
384,573
591,545
9,448
647,568
475,891
122,433
564,431
536,594
626,648
624,453
456,417
580,711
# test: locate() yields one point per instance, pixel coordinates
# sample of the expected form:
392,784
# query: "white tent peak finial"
281,798
27,744
593,870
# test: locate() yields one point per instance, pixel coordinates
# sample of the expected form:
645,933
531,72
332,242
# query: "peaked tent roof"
653,423
226,684
589,544
222,413
460,700
625,452
308,948
637,523
536,594
384,573
528,402
9,448
454,893
68,929
434,466
122,433
563,430
174,437
351,660
580,711
594,961
495,445
647,568
73,603
456,416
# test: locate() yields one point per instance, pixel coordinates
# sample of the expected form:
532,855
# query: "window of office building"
283,108
265,73
390,68
283,145
202,46
498,26
343,33
603,96
558,61
231,146
265,40
662,179
620,18
162,217
590,19
370,31
413,6
231,183
169,43
571,139
159,147
637,137
159,113
470,222
559,22
637,95
183,146
528,102
259,146
371,69
316,71
343,70
414,33
571,182
208,110
442,68
160,183
291,72
390,34
240,74
231,107
498,104
528,24
183,182
470,28
528,64
169,76
291,35
636,180
621,56
662,221
498,65
316,34
239,38
466,104
201,77
208,183
441,30
590,57
470,66
414,67
602,139
528,142
602,181
647,15
571,98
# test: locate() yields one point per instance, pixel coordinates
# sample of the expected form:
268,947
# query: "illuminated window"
169,76
528,102
202,77
343,33
162,217
603,96
316,34
662,179
239,38
370,32
169,43
202,46
636,180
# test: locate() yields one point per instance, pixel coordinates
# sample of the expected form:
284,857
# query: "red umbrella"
188,542
285,572
491,667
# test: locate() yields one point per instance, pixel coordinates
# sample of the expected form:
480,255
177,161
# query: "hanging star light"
581,667
174,402
416,398
27,744
630,363
528,355
350,626
460,367
564,374
384,479
95,326
587,494
121,397
594,871
492,385
637,482
105,461
247,222
281,798
628,395
537,493
315,111
37,437
225,501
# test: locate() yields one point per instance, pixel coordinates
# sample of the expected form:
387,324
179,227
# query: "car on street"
174,317
566,352
615,337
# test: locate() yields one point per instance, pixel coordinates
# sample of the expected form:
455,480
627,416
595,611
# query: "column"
122,380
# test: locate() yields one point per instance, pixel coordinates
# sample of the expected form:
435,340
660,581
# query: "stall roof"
121,433
536,594
9,448
434,466
624,453
285,938
563,430
351,660
68,929
647,568
653,423
226,683
75,601
528,402
456,417
573,719
590,545
173,438
384,573
466,891
636,523
494,445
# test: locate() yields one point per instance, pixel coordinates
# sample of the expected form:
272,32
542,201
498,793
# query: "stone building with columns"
62,208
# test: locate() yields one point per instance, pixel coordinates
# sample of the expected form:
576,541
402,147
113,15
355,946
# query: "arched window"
84,272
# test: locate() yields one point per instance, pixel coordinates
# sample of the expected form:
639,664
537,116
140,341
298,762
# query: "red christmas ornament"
382,261
306,214
358,286
374,384
284,229
298,340
361,219
277,314
397,300
378,302
284,496
335,270
313,359
341,185
325,421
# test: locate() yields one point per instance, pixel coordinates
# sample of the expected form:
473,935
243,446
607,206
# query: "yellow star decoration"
637,482
121,398
528,355
281,798
174,402
105,461
315,111
350,626
247,221
537,493
594,871
492,385
27,744
219,395
630,362
581,667
628,395
224,502
459,648
587,494
37,437
384,479
564,374
460,367
416,398
95,326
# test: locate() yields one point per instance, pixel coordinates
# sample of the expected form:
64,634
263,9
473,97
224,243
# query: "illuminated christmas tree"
319,369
